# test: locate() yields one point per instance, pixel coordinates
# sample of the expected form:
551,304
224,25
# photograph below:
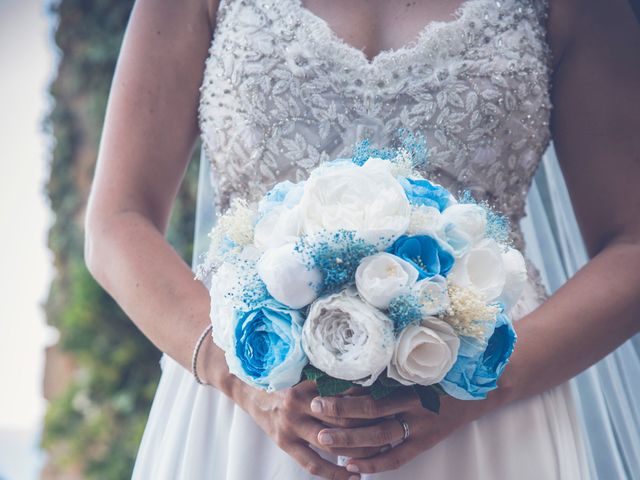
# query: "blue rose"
267,349
425,253
480,364
423,192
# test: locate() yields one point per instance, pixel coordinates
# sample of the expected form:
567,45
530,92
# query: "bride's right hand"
287,418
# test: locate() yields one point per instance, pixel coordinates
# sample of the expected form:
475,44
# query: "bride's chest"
282,92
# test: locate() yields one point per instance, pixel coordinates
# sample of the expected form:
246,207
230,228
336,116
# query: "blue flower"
284,193
423,192
267,349
425,253
480,363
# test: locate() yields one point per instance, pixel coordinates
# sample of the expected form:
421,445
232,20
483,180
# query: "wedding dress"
282,92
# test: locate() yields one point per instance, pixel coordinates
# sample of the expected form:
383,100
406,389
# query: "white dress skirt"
195,432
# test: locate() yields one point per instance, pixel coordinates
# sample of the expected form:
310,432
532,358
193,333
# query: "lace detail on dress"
281,93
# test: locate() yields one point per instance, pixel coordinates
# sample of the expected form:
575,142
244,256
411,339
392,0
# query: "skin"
149,134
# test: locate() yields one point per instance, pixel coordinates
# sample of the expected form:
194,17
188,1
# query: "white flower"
433,295
278,226
366,199
381,277
515,278
481,269
287,278
347,338
223,292
424,353
463,226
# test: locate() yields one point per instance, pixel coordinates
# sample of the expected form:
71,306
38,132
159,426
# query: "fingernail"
325,439
353,469
316,406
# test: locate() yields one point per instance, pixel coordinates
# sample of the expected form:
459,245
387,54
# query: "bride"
273,87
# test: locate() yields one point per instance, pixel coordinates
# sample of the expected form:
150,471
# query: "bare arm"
595,125
149,134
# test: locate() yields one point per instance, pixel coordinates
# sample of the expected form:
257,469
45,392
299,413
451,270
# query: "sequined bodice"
282,92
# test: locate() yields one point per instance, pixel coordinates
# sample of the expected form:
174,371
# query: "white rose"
347,338
287,278
481,269
424,353
515,278
366,199
432,294
223,304
381,277
278,226
463,226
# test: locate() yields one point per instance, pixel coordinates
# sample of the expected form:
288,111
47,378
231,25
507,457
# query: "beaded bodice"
282,92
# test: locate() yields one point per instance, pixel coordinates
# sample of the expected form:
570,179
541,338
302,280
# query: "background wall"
101,376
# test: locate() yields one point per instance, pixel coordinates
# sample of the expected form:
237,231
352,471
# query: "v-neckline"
319,24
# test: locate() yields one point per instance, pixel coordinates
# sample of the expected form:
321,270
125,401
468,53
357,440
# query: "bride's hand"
426,429
286,416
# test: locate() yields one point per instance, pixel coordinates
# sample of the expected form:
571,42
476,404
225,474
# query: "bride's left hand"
426,428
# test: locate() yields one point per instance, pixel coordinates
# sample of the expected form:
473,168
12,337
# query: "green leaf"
439,390
388,382
312,373
379,390
329,386
429,397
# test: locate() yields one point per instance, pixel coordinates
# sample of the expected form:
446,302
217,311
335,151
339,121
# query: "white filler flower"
382,277
287,278
424,353
347,338
366,199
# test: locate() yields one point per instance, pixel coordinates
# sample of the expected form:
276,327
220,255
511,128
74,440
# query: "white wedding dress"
281,93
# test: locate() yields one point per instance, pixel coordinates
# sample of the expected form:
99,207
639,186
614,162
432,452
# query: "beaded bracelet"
196,350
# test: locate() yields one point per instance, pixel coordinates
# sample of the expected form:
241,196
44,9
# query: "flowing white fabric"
608,393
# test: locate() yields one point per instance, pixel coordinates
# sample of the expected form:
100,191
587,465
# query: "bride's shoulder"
212,10
570,22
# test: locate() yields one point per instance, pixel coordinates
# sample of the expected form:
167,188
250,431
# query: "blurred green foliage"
96,423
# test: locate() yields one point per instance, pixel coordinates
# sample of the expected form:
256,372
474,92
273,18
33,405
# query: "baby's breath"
469,312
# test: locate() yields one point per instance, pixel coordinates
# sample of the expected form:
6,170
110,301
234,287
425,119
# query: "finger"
389,460
361,407
384,433
364,452
308,431
355,390
338,422
315,464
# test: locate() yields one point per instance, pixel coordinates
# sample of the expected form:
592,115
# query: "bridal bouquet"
365,274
